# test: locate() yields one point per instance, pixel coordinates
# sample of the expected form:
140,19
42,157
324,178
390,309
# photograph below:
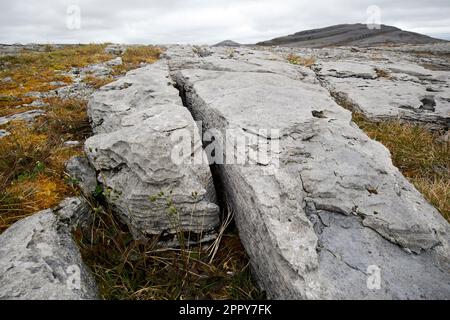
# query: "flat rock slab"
39,260
26,116
327,216
139,120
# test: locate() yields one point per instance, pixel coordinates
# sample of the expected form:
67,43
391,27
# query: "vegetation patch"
134,57
33,156
97,82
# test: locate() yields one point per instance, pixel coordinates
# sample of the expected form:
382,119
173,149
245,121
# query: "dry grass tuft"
419,155
33,71
302,61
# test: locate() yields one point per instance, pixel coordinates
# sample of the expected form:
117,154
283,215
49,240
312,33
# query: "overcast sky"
202,21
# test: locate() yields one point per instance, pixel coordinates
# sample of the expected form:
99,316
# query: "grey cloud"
202,21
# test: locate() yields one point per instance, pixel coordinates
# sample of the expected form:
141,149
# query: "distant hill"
227,43
350,35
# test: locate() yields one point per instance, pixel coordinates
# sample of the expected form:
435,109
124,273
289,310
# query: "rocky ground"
316,216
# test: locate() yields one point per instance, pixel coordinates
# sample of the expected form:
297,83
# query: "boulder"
324,214
137,121
39,260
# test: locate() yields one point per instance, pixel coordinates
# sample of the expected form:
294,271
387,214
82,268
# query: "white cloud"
204,21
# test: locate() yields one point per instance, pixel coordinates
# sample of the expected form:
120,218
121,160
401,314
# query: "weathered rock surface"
79,169
40,260
137,120
320,214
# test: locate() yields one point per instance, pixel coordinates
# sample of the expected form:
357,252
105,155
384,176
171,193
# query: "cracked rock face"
328,216
40,260
137,121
